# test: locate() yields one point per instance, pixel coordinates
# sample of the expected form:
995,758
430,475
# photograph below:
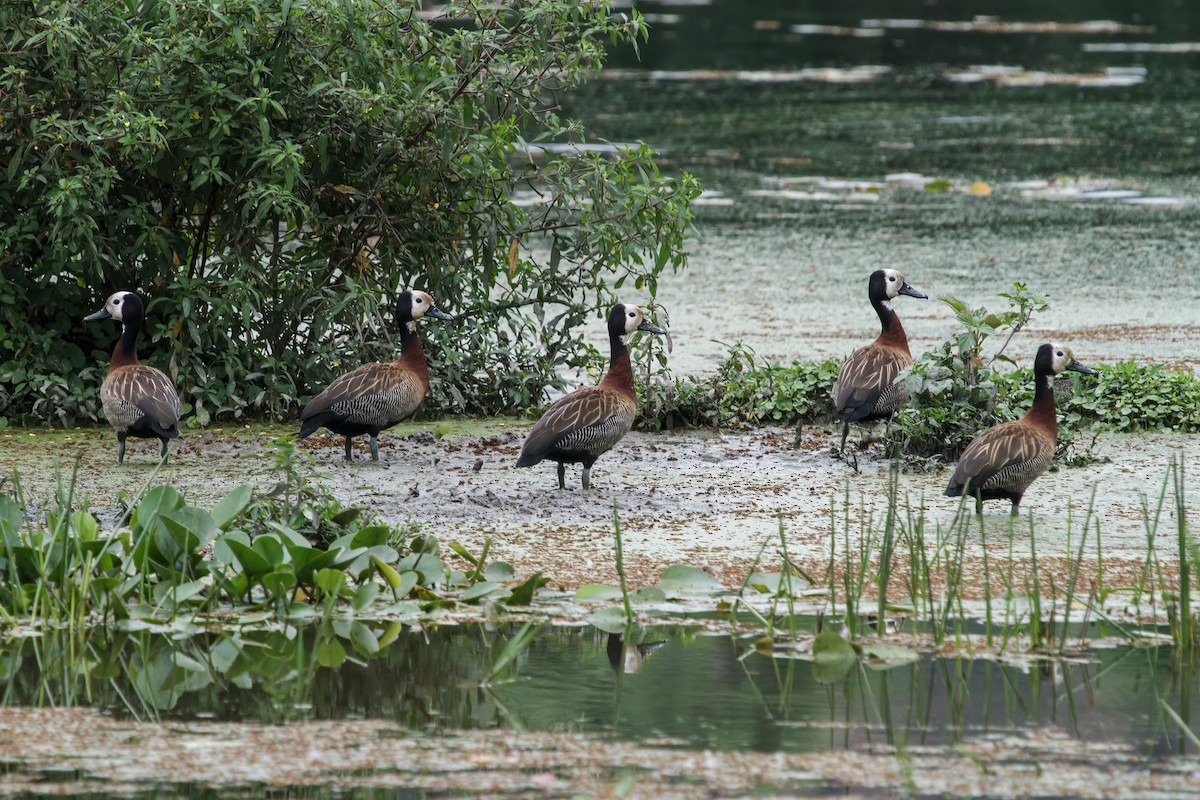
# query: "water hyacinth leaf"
522,594
307,560
885,655
371,536
364,595
389,574
364,639
481,589
648,595
280,581
680,579
345,517
159,500
833,657
499,571
270,548
330,653
85,526
430,568
10,522
330,581
252,562
190,523
231,506
178,594
611,619
597,592
222,553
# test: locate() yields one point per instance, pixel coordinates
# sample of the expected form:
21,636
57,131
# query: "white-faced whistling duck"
585,424
865,389
377,396
139,400
1001,462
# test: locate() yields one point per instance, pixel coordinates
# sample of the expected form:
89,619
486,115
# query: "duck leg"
162,454
349,456
121,448
562,475
374,446
587,476
845,433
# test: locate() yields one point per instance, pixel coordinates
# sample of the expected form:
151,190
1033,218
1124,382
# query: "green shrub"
267,175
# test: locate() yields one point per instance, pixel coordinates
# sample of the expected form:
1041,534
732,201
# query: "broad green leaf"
230,506
522,595
481,589
330,653
364,595
499,571
680,579
597,591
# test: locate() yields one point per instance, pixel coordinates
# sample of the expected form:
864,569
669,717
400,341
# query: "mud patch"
711,499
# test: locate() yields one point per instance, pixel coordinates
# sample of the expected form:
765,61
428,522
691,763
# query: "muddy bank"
711,499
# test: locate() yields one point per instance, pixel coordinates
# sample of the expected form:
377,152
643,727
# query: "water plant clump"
294,552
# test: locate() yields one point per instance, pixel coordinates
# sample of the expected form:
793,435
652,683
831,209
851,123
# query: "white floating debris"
836,30
1153,201
907,178
1109,194
1142,47
994,25
892,23
1015,76
964,120
860,74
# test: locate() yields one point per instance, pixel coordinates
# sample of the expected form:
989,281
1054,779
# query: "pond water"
167,700
1035,145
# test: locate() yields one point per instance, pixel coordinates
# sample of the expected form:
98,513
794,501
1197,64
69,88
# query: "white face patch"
633,318
116,304
892,281
421,302
1060,358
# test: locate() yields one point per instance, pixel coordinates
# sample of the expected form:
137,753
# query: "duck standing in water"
138,400
580,427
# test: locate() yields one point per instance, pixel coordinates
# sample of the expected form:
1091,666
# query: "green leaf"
597,592
230,506
499,571
679,579
522,595
833,657
330,653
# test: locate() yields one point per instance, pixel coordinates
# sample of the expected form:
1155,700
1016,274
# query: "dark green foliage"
267,175
954,388
293,551
744,392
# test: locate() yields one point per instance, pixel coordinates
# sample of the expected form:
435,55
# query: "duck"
865,389
580,427
1001,462
377,396
138,399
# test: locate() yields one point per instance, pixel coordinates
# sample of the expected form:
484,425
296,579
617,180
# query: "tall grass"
1036,605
